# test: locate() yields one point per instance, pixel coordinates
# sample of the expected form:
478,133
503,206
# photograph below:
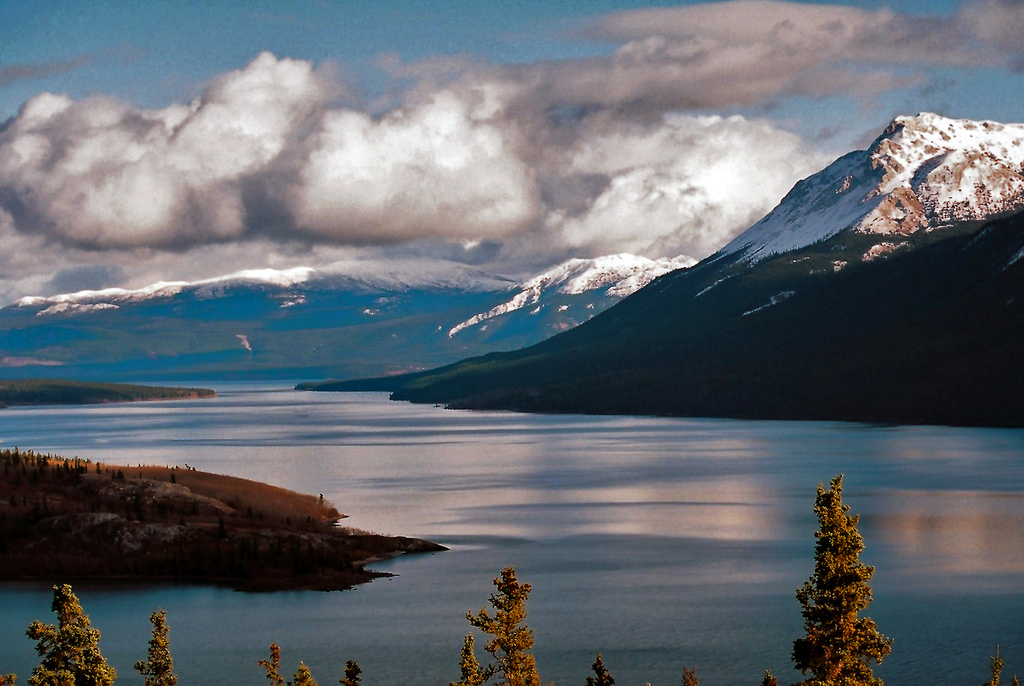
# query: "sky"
178,140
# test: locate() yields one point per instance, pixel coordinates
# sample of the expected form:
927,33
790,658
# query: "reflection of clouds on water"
666,519
661,537
726,508
954,532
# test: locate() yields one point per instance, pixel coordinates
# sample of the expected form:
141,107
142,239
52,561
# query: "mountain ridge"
864,317
353,318
922,173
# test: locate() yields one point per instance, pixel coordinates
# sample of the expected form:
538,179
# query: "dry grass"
62,518
241,494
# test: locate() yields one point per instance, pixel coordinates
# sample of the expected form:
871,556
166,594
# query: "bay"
659,542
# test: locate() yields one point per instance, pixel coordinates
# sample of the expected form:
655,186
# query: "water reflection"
955,532
658,541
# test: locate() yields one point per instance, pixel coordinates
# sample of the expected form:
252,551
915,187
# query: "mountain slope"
826,309
351,319
923,173
930,336
556,290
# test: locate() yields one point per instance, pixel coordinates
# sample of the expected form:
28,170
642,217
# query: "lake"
659,542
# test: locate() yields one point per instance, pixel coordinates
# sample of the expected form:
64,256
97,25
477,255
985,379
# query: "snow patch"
775,300
922,173
1014,259
620,275
711,286
75,308
165,289
882,250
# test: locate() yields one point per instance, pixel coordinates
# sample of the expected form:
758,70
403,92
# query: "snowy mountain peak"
108,298
923,172
619,275
359,276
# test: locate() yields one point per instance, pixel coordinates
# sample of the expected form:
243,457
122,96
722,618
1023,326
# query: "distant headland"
67,392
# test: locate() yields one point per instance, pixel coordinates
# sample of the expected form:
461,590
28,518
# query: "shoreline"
77,519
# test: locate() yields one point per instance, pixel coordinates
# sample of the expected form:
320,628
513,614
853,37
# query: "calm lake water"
659,542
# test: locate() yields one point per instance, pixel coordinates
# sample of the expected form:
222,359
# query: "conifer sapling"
512,638
158,668
70,650
838,644
352,673
601,675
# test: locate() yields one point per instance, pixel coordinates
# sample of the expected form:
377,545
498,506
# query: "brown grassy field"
242,495
70,518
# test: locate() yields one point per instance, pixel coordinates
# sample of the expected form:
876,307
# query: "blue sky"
178,140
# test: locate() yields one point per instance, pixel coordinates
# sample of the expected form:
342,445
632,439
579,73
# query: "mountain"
556,291
889,287
349,319
924,173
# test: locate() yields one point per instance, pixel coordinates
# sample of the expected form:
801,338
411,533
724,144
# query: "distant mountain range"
351,319
889,287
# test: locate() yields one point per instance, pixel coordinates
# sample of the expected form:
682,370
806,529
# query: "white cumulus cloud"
100,173
446,167
683,186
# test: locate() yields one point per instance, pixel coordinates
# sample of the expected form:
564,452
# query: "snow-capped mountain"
346,319
112,298
363,276
887,288
923,173
612,277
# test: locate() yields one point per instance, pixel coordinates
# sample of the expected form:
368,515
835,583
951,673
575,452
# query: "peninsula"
64,519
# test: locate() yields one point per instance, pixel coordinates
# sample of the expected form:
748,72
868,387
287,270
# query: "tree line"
838,648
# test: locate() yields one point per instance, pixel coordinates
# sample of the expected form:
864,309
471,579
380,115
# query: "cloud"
99,173
85,277
506,164
12,73
24,264
38,70
996,22
448,167
685,186
747,52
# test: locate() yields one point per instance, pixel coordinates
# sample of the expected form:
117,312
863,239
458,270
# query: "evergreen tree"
157,669
769,679
601,676
352,673
471,672
70,650
512,638
838,644
997,669
302,677
273,666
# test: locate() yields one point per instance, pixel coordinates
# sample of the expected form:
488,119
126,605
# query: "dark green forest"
928,336
67,392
